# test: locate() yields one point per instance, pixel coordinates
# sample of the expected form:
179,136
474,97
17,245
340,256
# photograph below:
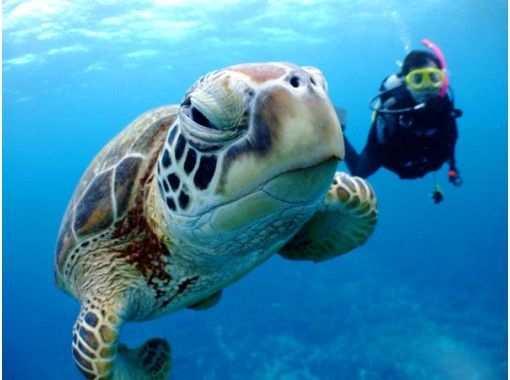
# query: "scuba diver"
413,129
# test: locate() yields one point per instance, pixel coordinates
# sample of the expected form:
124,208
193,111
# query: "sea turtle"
188,199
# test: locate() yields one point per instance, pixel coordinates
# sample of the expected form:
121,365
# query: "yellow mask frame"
425,79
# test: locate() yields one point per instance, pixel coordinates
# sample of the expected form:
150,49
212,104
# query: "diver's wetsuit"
410,143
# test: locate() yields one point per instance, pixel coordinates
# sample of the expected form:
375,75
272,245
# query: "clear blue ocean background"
424,298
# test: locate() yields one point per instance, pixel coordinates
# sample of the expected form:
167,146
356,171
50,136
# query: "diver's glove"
454,177
456,113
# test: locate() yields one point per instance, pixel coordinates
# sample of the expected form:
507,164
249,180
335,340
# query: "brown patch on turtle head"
260,72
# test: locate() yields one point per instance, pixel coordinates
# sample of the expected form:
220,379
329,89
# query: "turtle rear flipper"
345,221
99,355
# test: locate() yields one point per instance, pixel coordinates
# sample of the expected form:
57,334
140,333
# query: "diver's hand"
454,177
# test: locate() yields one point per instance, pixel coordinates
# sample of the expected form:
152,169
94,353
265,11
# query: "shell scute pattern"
107,189
94,211
65,242
127,168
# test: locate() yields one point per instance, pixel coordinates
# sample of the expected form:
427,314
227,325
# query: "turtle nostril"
294,81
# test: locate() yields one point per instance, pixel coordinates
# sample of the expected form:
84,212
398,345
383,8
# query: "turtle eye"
199,118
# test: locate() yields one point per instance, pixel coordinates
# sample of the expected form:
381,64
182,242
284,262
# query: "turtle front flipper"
345,221
99,355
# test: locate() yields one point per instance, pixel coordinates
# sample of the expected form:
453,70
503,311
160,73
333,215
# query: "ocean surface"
424,299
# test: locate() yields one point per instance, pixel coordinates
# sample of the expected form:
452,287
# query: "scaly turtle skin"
189,198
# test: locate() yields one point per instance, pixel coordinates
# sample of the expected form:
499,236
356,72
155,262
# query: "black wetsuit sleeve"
361,165
369,160
452,135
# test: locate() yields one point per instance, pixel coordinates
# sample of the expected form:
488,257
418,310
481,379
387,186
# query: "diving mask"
429,78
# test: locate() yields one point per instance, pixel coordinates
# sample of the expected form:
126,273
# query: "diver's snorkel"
440,56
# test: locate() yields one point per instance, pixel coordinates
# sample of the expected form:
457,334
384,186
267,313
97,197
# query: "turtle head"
251,144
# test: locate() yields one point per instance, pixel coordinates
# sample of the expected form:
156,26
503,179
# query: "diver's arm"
351,156
453,173
366,165
361,165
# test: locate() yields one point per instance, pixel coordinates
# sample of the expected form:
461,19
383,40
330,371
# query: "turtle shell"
116,176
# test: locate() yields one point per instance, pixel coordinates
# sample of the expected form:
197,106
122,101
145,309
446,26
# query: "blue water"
425,298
